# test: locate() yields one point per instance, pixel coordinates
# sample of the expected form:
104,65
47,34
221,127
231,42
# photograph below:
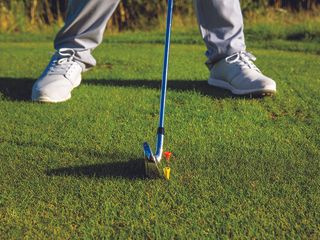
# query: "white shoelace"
244,59
64,60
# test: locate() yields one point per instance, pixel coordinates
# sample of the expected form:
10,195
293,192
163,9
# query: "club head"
150,163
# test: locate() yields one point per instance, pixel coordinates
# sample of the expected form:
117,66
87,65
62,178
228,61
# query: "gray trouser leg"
220,22
221,27
84,27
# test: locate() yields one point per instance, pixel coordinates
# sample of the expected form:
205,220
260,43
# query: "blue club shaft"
160,134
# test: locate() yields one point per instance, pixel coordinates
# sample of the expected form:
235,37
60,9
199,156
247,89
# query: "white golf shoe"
238,74
60,77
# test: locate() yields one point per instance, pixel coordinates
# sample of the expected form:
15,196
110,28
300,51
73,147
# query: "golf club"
152,161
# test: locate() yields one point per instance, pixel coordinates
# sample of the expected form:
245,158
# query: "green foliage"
253,5
22,16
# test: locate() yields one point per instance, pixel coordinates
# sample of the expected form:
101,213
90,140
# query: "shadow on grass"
117,166
16,89
201,86
133,169
19,89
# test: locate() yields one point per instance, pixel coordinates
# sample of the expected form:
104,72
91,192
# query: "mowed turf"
241,167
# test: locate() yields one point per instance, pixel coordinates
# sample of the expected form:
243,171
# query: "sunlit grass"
242,168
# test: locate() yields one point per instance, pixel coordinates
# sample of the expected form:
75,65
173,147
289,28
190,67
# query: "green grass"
303,37
242,168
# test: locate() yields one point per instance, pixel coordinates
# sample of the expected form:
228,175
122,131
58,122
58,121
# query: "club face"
150,162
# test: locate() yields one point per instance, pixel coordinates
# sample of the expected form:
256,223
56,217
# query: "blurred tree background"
24,15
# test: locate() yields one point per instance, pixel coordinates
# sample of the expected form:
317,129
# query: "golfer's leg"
231,68
221,26
83,31
84,27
